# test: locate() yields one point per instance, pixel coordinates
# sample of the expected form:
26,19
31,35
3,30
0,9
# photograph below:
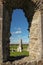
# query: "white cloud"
17,32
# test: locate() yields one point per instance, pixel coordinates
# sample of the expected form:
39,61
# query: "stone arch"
28,6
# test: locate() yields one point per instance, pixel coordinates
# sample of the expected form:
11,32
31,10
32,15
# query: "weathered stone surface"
24,63
8,63
35,46
39,62
13,63
1,19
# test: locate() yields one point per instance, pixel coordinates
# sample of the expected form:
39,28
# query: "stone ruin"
19,49
34,12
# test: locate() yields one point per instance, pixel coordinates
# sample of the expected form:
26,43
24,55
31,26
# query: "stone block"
40,62
3,63
8,63
13,63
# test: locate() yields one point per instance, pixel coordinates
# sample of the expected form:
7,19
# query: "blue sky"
19,26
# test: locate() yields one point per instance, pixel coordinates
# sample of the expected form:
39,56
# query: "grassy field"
14,46
23,53
15,53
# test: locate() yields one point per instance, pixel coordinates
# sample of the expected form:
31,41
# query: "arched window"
19,26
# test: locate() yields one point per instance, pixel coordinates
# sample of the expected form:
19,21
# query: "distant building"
19,49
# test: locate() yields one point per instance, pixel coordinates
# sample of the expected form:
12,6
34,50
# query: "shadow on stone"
12,58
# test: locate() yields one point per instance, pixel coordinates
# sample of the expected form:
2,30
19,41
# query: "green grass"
23,53
25,46
14,47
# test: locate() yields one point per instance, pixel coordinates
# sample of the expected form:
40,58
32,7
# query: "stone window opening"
19,32
34,12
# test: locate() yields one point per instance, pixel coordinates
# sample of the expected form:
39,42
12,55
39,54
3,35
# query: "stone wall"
1,23
24,63
35,46
36,40
6,34
42,25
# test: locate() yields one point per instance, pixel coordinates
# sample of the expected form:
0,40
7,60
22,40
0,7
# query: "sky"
19,26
